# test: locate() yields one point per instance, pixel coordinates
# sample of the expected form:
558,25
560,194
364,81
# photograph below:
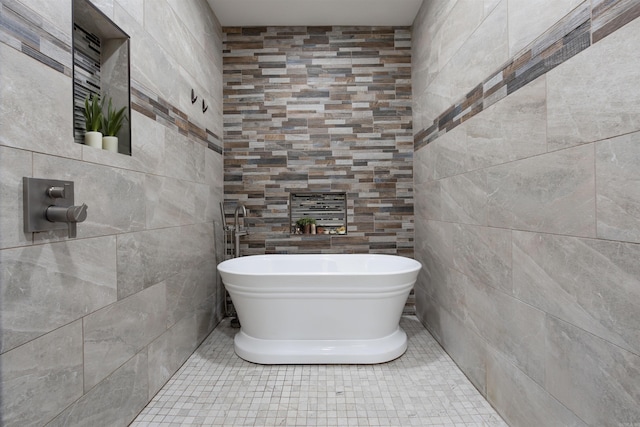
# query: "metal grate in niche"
328,209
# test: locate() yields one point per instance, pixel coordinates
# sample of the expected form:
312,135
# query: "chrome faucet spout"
239,208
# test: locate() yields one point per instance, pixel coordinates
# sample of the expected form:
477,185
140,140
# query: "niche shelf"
328,209
100,66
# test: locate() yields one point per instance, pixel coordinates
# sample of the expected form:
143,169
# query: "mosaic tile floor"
216,388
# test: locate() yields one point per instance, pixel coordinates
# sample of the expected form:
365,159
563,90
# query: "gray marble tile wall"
92,327
527,213
485,68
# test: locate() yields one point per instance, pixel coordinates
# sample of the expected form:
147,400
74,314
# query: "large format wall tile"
169,202
114,402
113,196
605,375
428,203
210,312
450,153
449,291
424,53
202,23
41,378
482,72
47,286
150,257
423,165
436,99
527,20
461,22
592,284
38,119
214,178
115,333
543,127
522,401
205,203
173,35
484,51
465,347
14,164
463,198
618,188
512,327
134,8
58,14
107,287
149,65
434,239
595,95
512,129
554,193
188,289
170,350
483,254
183,158
427,309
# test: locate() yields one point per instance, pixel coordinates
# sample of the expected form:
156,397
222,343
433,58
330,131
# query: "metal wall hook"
205,107
194,97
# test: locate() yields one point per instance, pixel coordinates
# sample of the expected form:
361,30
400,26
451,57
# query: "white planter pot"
110,143
93,139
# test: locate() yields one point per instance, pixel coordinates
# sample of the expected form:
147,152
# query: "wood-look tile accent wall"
320,109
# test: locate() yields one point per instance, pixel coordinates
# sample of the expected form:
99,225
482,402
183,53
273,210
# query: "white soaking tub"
308,309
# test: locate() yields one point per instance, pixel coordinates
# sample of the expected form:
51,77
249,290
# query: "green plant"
113,120
304,221
93,113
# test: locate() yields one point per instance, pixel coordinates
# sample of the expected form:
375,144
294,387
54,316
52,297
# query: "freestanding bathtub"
319,308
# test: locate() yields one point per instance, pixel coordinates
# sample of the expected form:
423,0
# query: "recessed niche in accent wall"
100,66
329,210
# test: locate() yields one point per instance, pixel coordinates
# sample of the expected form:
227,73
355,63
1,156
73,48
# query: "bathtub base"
275,352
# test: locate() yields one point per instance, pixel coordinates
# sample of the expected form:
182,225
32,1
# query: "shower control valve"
49,205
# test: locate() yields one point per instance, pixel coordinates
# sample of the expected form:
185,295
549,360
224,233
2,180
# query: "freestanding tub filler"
319,308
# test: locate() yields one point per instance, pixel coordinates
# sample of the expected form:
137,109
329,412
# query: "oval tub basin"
317,309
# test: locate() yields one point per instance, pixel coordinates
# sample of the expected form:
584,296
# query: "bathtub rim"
416,266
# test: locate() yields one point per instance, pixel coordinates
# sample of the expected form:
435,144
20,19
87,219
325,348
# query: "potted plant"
93,121
305,223
112,122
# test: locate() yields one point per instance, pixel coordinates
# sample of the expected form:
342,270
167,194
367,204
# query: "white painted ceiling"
251,13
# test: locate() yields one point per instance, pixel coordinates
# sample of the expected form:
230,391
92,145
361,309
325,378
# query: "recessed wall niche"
329,210
100,66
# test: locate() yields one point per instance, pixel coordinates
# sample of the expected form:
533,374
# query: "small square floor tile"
424,387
